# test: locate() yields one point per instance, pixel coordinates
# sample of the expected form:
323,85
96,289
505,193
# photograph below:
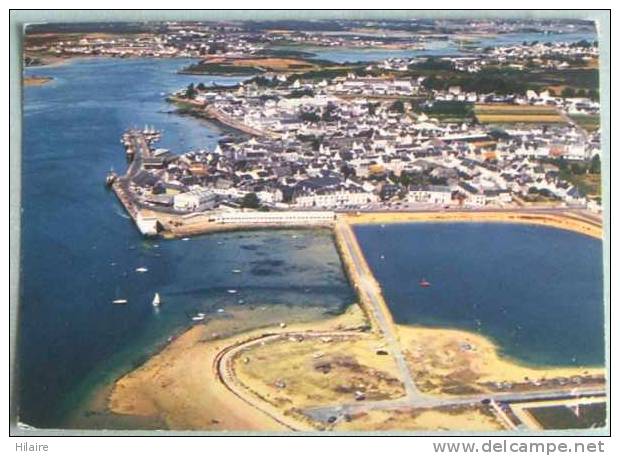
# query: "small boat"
425,283
220,310
110,178
232,291
156,300
119,301
198,318
185,239
142,269
236,271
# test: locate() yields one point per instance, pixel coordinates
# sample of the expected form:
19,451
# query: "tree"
398,106
190,92
251,201
309,116
568,92
595,165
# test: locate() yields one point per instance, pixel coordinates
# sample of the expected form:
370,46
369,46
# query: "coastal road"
371,293
329,413
224,369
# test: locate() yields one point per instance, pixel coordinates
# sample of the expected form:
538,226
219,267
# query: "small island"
36,80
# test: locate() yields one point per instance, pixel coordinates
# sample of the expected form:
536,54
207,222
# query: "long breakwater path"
373,302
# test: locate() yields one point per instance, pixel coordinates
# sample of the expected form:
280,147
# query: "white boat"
185,239
119,301
141,269
232,291
198,318
236,271
220,310
156,300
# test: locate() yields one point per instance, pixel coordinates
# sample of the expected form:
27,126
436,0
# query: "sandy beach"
181,388
565,220
36,80
448,361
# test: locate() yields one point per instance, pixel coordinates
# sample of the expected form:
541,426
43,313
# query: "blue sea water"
536,291
437,47
79,249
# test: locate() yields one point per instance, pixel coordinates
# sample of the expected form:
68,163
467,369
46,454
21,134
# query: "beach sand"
36,80
180,387
450,361
567,221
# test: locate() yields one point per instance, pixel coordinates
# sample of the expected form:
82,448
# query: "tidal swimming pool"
537,292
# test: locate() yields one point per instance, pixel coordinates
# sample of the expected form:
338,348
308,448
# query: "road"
328,413
371,293
414,398
224,369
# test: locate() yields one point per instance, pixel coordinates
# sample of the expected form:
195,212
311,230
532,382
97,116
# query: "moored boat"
425,283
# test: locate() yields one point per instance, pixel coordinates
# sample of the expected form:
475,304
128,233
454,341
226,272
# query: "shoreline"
562,220
242,397
35,81
146,391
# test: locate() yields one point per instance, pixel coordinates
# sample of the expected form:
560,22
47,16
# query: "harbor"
283,299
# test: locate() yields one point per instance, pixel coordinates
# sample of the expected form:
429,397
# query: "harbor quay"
159,192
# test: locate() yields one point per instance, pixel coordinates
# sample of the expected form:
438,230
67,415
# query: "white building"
432,194
275,217
338,198
194,200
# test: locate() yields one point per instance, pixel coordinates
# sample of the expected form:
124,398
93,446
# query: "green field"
562,417
588,123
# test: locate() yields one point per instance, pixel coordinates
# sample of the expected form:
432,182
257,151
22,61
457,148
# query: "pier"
137,145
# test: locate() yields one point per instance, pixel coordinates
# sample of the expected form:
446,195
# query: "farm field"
587,122
505,113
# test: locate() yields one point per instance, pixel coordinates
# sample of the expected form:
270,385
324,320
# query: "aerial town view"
312,225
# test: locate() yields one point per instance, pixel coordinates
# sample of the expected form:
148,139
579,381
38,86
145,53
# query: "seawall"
562,220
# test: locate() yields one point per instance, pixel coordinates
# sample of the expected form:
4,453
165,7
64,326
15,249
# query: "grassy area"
562,417
448,111
301,372
588,184
455,418
219,69
588,123
516,114
243,66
